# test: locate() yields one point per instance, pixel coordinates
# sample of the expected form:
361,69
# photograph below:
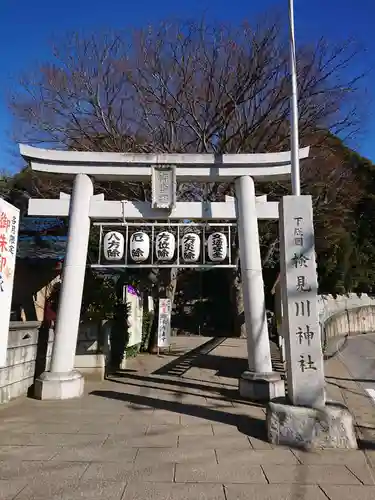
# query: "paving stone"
260,444
226,429
219,403
193,420
160,491
48,428
26,453
257,412
215,442
18,439
348,492
363,472
168,440
219,473
180,430
9,489
309,474
165,417
274,492
196,456
92,489
129,472
370,454
331,457
41,471
260,457
96,454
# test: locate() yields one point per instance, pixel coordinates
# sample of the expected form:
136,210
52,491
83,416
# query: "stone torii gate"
62,381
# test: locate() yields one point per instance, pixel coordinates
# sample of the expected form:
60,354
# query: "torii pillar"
62,381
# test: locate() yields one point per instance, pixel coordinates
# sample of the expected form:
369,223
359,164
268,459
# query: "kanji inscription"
298,279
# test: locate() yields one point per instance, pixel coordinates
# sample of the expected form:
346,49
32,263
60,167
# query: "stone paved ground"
173,428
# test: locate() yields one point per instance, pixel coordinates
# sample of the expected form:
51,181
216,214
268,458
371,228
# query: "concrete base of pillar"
310,428
59,385
261,386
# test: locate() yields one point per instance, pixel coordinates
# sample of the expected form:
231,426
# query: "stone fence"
346,315
29,354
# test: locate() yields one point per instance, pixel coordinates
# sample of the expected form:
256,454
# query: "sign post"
9,221
299,285
164,324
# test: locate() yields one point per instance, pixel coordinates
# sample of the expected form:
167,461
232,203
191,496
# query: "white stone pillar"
260,382
62,381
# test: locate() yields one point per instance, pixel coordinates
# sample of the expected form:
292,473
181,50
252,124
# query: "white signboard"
135,316
9,220
164,324
299,288
163,187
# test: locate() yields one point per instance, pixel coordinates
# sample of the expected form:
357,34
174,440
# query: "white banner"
164,324
9,220
135,318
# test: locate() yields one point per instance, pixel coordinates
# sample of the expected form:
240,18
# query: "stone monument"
309,421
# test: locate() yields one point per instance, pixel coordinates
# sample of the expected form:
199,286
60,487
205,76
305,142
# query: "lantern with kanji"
165,246
217,247
139,246
190,247
113,244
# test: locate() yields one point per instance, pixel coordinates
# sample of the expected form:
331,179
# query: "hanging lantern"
139,246
165,246
217,247
190,247
113,244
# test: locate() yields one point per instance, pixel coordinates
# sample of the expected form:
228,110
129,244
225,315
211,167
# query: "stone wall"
28,354
346,315
350,322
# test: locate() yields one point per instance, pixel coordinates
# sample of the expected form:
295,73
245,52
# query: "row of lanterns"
165,246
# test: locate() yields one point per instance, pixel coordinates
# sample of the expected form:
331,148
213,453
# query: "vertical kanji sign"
164,324
9,220
299,289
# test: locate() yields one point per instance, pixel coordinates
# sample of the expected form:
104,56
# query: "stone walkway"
173,428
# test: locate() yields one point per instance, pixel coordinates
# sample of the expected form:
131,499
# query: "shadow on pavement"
183,363
227,394
247,425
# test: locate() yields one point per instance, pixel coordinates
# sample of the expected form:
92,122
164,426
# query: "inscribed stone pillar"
299,289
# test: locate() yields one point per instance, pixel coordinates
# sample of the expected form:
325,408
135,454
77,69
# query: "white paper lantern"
139,246
217,247
190,247
165,246
113,244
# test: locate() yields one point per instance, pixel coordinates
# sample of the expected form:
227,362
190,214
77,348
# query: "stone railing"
346,315
28,354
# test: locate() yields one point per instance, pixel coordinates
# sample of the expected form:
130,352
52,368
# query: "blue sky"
27,27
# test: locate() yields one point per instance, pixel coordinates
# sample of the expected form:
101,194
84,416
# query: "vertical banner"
9,221
164,324
135,318
299,285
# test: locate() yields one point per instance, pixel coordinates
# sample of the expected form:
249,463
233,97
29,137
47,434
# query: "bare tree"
189,88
